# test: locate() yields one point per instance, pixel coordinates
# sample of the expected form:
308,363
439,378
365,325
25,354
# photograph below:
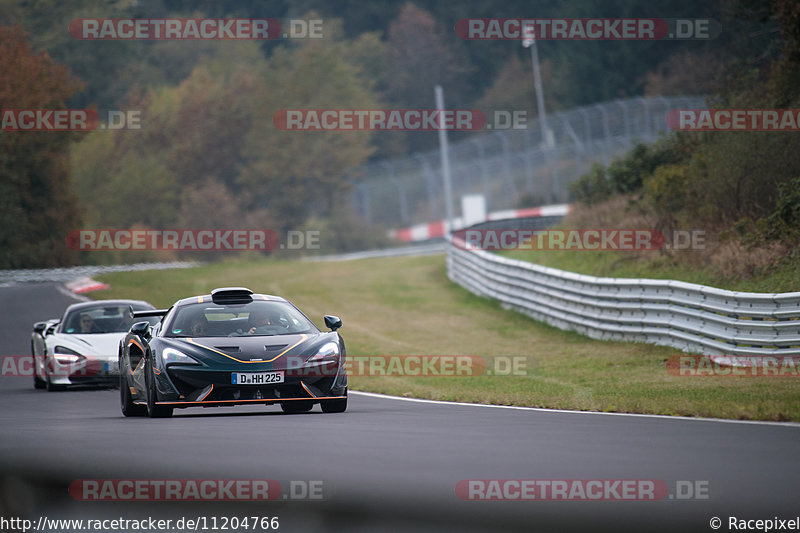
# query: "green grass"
407,306
614,264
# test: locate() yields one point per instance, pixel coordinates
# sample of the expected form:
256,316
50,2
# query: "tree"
37,207
420,56
214,133
190,134
513,89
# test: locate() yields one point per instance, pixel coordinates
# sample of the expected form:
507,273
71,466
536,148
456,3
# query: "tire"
154,410
296,407
38,383
334,406
52,387
126,402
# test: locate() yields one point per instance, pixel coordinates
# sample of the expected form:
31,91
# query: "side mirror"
39,327
333,322
141,328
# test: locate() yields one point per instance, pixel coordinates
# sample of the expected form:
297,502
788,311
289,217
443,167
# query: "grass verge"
782,277
407,306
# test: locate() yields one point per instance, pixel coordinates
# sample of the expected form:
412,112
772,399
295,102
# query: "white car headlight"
171,355
328,351
66,356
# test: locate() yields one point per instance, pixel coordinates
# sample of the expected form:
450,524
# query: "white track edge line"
544,410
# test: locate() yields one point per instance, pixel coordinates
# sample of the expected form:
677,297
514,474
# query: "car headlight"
171,355
328,351
66,356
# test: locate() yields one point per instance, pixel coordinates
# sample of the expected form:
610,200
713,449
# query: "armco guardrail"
693,318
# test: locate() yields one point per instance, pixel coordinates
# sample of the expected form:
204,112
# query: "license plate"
256,378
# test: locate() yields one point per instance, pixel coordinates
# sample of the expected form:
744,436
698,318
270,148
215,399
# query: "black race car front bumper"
193,385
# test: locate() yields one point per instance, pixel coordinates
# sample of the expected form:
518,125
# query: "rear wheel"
296,407
126,401
154,410
334,406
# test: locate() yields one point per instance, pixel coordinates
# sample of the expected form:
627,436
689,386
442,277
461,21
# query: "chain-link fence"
511,167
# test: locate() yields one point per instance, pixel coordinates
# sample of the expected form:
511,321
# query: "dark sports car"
231,347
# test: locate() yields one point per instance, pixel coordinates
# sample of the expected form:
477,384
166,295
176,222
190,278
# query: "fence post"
484,170
511,190
660,123
625,123
607,131
528,163
365,202
401,190
648,134
430,185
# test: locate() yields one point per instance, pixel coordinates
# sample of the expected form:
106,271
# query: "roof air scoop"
232,295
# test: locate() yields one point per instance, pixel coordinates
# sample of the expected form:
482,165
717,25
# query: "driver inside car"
87,324
199,326
264,323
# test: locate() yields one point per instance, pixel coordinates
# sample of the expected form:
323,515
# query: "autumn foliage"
37,205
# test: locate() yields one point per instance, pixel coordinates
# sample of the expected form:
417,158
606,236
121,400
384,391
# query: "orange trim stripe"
303,337
249,401
308,391
137,366
134,341
206,394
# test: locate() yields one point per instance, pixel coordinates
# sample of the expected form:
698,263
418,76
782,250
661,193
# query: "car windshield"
102,318
257,318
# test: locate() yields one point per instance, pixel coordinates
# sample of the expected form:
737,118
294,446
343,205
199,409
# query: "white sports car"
82,347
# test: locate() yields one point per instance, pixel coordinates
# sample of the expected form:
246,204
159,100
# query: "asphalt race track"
386,464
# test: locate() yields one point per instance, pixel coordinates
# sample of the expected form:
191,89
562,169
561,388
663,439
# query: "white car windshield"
102,318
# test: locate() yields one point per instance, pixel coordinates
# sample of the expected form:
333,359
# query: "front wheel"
38,383
153,409
296,407
334,406
52,387
126,402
